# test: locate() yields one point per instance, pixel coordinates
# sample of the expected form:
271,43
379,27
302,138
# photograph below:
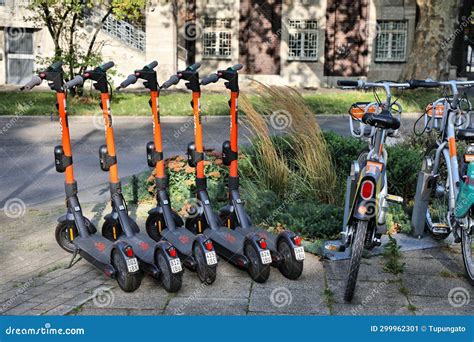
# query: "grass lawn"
178,103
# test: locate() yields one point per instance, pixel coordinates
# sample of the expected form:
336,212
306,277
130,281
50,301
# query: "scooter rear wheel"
127,281
67,229
289,267
257,270
171,281
206,273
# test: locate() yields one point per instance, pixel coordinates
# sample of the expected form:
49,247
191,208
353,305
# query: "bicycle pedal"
394,199
335,247
440,228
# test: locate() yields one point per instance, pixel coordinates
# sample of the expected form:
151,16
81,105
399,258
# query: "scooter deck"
228,243
181,238
143,247
95,249
270,238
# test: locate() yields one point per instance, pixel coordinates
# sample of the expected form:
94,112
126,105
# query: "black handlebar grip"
76,81
346,83
237,67
131,79
107,66
35,81
210,79
194,67
172,81
152,65
423,84
56,65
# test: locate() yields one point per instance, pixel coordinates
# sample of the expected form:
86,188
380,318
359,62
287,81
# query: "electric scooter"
285,248
250,251
196,251
74,232
159,259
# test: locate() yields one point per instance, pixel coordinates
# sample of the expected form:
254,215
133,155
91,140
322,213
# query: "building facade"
304,43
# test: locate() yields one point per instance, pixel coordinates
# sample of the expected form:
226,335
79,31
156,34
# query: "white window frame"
390,32
300,26
220,28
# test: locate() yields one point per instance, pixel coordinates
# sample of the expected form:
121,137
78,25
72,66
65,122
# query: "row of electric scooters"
125,252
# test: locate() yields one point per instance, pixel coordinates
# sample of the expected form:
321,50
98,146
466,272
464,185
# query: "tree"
74,26
435,32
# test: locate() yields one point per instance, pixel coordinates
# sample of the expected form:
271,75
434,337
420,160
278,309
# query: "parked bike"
367,198
445,190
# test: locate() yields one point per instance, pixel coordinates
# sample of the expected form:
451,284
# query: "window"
303,40
217,38
391,42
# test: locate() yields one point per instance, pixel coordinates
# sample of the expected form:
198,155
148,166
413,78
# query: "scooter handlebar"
152,65
131,79
194,67
423,84
172,81
210,79
76,81
56,65
35,81
237,67
107,66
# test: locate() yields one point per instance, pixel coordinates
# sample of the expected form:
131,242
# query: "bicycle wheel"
467,244
356,256
437,214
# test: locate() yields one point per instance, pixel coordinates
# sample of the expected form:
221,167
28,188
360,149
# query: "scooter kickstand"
72,263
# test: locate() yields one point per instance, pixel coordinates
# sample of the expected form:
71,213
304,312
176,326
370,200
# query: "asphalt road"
26,150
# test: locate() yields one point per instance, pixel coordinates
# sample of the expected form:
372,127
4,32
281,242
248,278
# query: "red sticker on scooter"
144,246
100,246
184,239
230,238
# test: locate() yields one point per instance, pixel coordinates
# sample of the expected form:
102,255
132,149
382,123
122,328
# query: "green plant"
398,219
392,256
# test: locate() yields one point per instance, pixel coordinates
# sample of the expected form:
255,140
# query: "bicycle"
444,196
367,198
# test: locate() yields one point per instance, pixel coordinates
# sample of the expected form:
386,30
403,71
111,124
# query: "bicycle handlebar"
35,81
423,84
172,81
76,81
345,83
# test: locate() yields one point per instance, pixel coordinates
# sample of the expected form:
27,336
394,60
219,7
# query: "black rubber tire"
127,281
107,230
467,255
62,234
151,229
171,282
289,267
356,256
257,271
206,273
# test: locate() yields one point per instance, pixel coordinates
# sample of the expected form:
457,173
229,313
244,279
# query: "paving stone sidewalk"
34,281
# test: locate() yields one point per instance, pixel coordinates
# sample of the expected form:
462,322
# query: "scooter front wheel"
206,273
67,231
289,267
171,281
257,270
111,230
356,256
127,281
154,226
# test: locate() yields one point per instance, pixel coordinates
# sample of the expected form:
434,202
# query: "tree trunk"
434,37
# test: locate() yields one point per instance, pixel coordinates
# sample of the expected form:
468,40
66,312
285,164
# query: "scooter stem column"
65,137
155,109
234,131
198,133
109,136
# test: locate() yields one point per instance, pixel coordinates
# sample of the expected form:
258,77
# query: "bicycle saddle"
383,120
466,134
